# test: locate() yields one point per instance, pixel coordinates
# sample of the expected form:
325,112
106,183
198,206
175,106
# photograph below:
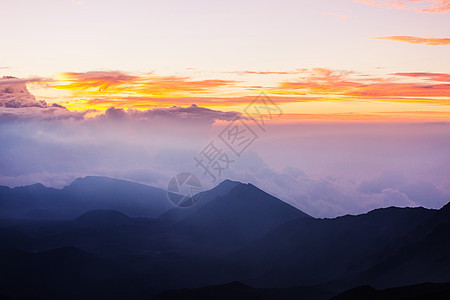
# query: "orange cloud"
417,40
438,7
115,82
142,102
409,116
340,84
93,80
100,90
428,76
420,6
264,72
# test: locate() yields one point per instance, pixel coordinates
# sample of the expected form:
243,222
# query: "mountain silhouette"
425,291
422,255
242,215
239,290
89,193
108,238
102,218
14,239
60,273
309,251
175,215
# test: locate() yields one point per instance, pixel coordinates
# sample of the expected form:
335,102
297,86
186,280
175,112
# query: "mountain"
103,218
425,291
240,216
130,198
233,290
84,194
13,239
309,251
236,232
239,290
422,255
176,214
64,273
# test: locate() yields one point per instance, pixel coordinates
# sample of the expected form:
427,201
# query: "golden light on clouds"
314,91
430,41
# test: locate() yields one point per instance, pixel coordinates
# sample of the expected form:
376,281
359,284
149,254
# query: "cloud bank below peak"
176,113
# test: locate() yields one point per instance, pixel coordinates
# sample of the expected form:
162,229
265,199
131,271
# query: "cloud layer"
14,93
111,82
420,6
417,40
99,90
321,81
324,169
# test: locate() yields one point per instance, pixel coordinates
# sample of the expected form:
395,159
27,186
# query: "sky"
359,91
145,54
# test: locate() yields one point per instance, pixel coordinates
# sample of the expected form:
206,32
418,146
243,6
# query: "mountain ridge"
83,194
238,233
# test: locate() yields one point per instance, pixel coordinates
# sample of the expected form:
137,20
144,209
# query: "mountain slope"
238,290
425,291
235,219
130,198
422,255
177,214
238,232
82,195
65,273
309,251
103,218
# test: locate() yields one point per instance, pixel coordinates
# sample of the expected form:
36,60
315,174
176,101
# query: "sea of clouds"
322,168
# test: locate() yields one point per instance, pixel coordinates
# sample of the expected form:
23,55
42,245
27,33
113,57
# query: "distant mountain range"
89,193
106,238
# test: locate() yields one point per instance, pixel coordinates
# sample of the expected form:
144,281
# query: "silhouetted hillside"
233,220
102,218
176,215
309,251
238,290
39,202
67,273
237,232
422,255
425,291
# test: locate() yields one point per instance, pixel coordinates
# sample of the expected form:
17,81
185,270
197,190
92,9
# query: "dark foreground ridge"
418,291
238,290
106,245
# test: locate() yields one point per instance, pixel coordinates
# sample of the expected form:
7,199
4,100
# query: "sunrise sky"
336,59
136,89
